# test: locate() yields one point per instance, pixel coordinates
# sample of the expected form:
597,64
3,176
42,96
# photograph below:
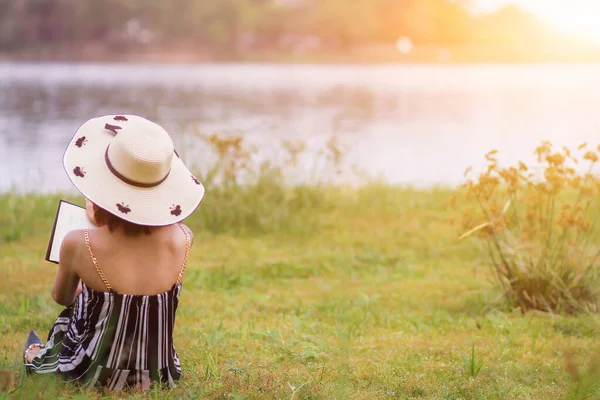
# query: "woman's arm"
67,284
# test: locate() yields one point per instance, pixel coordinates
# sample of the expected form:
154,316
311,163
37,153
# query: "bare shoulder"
189,232
71,246
72,240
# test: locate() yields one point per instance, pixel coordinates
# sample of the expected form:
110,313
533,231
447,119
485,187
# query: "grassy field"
313,293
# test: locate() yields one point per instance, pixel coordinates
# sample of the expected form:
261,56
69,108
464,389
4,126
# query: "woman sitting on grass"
121,281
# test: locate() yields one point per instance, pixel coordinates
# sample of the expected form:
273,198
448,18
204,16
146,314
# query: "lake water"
409,124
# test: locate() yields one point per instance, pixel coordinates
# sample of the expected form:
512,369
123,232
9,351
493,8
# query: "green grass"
313,293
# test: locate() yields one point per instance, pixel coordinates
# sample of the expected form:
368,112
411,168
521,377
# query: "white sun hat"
128,166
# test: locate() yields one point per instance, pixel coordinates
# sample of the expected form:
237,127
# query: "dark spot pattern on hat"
81,141
176,210
176,153
112,128
123,208
79,171
120,118
196,181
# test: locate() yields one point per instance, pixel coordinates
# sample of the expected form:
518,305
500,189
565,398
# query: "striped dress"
114,340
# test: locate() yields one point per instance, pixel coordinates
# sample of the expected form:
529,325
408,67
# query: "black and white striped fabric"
113,340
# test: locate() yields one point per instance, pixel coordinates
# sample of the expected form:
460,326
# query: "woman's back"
121,335
141,264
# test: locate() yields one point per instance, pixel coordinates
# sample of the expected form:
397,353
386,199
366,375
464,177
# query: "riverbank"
321,293
371,54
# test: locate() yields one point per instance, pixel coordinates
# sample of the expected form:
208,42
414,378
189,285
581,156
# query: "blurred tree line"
231,25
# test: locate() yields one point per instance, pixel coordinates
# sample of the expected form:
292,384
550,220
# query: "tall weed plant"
539,228
253,197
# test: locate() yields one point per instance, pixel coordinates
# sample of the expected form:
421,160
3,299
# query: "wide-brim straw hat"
128,166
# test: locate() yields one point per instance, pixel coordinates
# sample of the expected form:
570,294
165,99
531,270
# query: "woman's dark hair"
113,222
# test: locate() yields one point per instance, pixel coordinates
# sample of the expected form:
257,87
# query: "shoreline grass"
321,292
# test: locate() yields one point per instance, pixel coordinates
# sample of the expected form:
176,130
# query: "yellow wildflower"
566,219
543,149
542,187
555,159
522,166
591,156
490,155
584,224
575,182
530,215
586,191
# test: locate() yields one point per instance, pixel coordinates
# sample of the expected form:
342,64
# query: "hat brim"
170,202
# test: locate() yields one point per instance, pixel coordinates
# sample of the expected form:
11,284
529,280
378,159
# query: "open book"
69,217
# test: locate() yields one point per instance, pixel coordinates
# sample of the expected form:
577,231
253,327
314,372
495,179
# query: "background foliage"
228,26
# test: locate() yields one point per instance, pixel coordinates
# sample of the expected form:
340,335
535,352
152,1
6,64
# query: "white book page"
69,217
